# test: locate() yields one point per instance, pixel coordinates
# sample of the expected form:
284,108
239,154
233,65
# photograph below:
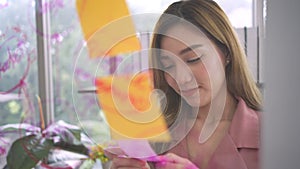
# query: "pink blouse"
239,149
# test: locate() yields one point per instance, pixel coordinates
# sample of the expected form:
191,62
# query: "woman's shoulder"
245,126
245,111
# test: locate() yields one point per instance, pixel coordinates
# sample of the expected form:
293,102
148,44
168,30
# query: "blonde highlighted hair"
210,19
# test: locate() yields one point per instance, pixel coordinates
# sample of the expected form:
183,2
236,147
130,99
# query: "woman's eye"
194,60
168,67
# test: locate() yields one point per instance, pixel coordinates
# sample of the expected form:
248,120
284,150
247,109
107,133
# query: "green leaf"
19,127
27,151
66,132
75,130
76,133
87,164
80,149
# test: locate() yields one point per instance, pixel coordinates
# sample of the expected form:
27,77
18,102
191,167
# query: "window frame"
44,59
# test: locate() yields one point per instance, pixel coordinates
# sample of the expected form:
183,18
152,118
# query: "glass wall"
73,71
18,65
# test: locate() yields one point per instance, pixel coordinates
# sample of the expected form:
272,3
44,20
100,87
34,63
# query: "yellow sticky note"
108,29
131,109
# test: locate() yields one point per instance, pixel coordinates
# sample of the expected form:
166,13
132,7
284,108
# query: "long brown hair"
210,19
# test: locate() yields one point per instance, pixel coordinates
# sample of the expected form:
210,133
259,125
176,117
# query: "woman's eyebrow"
190,48
164,57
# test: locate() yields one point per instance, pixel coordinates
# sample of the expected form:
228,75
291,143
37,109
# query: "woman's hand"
128,163
123,162
173,161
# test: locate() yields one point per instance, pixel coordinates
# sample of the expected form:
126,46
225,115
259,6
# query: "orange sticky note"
131,108
107,26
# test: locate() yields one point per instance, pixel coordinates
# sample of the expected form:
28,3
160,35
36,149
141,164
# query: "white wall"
281,119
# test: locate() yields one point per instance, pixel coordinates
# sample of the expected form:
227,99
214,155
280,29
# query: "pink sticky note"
135,148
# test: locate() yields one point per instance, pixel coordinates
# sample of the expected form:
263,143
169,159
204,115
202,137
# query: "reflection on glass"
240,12
18,65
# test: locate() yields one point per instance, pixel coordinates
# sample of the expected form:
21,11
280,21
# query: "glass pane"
156,7
18,68
240,12
18,61
74,71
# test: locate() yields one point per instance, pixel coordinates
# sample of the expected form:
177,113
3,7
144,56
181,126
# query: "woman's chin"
196,102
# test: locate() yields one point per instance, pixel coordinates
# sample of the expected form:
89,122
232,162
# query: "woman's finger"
168,165
113,167
174,161
175,158
112,152
171,165
127,162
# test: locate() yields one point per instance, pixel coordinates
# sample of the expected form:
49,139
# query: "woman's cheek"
171,81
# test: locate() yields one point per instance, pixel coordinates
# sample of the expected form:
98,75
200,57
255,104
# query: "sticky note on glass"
107,27
131,108
132,149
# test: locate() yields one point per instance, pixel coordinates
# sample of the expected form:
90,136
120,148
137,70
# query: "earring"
227,61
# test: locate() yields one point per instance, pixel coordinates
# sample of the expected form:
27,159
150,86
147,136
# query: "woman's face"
192,65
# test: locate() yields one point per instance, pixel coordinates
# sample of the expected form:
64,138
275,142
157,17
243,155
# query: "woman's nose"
183,74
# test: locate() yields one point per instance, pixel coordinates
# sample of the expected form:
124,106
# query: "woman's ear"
227,61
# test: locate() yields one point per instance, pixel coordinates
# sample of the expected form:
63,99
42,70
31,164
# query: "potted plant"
50,147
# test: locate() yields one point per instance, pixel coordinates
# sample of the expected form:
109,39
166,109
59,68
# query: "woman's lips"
189,92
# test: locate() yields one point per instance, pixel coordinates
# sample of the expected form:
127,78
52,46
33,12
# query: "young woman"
211,100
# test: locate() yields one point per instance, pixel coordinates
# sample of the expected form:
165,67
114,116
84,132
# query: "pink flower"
2,151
